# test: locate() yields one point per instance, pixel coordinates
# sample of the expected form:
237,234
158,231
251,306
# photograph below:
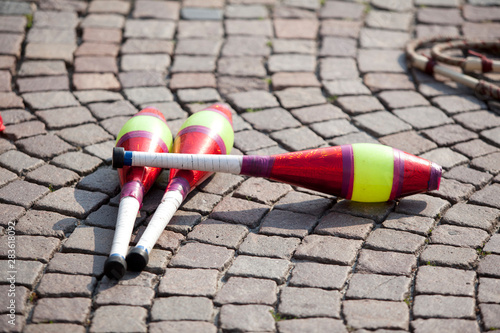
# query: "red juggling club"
209,131
360,172
146,131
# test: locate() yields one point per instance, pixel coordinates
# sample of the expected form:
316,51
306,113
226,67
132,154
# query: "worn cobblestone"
199,255
381,287
247,291
373,314
382,262
458,236
310,302
437,306
260,267
288,224
449,256
121,318
19,162
247,317
63,285
69,310
189,282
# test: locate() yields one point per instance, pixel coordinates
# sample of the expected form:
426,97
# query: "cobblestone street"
245,254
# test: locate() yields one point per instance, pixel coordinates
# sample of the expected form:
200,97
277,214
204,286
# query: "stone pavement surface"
245,255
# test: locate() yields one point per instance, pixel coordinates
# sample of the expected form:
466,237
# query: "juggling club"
209,131
360,172
146,131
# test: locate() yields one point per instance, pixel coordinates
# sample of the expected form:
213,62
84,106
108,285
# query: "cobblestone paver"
245,254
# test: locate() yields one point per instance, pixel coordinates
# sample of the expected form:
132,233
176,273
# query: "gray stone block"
453,190
269,246
22,193
416,224
316,275
467,215
444,325
295,139
394,240
380,287
256,99
103,180
180,326
26,273
488,163
189,282
493,244
377,211
309,302
383,262
71,201
343,225
374,314
79,162
90,240
119,318
262,190
239,211
76,263
328,249
311,324
260,267
445,281
30,247
240,290
256,318
437,306
300,202
450,256
188,13
422,205
218,233
458,236
288,224
182,308
198,255
381,123
124,295
487,196
64,285
489,266
52,176
69,310
19,162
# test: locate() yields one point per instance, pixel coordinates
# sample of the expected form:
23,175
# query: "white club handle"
127,213
201,162
162,216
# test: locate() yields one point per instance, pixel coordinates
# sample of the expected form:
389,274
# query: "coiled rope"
474,62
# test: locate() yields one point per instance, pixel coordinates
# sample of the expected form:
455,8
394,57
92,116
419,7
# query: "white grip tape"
201,162
127,213
163,214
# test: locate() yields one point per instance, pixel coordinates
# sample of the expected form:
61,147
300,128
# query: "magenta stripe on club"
435,177
143,134
399,173
133,189
179,184
205,130
257,166
347,171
